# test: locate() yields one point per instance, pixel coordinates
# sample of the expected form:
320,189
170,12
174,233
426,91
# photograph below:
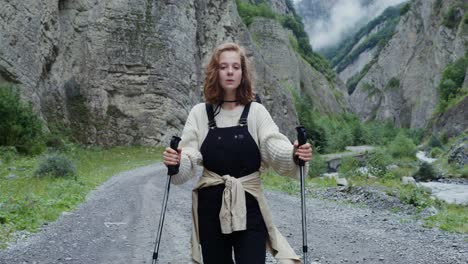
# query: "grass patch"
451,218
273,181
27,202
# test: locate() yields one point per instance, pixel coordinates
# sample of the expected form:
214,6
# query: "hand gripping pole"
171,170
301,139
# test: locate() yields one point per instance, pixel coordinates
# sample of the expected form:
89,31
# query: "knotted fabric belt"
233,216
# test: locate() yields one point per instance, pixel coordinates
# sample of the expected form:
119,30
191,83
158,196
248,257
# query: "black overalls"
233,151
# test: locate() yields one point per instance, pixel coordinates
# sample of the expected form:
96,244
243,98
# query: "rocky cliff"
402,83
128,72
273,42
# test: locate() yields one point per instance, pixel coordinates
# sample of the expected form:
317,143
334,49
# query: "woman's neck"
229,101
229,105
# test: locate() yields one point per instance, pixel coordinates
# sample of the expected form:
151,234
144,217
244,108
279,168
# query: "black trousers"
249,245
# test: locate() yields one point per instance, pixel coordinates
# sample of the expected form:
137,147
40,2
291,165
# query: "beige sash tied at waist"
233,213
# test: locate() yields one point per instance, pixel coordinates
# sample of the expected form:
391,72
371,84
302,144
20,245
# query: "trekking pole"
302,138
171,170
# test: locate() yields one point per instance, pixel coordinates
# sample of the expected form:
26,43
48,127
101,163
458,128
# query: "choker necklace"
233,101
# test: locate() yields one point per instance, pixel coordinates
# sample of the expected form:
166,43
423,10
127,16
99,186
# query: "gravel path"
118,221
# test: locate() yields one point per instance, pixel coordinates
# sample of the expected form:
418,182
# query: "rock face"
415,57
364,57
458,153
272,40
128,72
454,121
357,65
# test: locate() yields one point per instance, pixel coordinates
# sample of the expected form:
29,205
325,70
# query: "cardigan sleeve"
190,156
275,148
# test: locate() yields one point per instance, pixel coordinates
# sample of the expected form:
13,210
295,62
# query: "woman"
232,137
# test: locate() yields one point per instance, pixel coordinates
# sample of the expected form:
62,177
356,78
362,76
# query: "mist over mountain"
330,21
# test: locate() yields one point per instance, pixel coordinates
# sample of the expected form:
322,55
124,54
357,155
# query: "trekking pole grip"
301,139
174,169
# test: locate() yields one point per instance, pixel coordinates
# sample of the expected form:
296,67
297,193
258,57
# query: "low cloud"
345,15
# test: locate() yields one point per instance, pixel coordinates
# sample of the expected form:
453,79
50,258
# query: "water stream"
448,192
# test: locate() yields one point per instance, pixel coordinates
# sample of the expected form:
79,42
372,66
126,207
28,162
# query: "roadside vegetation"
382,169
450,89
45,174
384,173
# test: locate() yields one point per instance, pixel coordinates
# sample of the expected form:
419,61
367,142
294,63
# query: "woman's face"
230,71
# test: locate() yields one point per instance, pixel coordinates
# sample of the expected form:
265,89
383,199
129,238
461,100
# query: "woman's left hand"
304,152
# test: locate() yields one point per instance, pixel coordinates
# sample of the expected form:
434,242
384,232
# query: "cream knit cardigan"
276,152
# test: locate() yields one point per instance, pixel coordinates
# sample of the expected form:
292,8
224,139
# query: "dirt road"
118,221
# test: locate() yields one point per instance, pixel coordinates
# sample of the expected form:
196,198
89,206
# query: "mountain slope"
128,72
400,85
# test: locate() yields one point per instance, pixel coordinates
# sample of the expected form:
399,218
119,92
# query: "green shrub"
294,25
444,138
55,142
19,125
333,133
248,12
410,194
377,162
464,171
349,167
452,17
414,134
405,8
425,173
339,139
34,148
308,118
7,154
356,127
402,146
55,165
317,165
434,142
379,133
451,82
436,152
393,83
373,133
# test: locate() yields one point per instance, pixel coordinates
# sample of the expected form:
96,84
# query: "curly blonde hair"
213,92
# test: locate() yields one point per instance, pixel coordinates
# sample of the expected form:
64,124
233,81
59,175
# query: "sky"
345,14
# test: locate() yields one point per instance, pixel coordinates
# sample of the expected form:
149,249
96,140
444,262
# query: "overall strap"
245,113
210,113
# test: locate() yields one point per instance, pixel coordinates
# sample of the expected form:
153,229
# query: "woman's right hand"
171,157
